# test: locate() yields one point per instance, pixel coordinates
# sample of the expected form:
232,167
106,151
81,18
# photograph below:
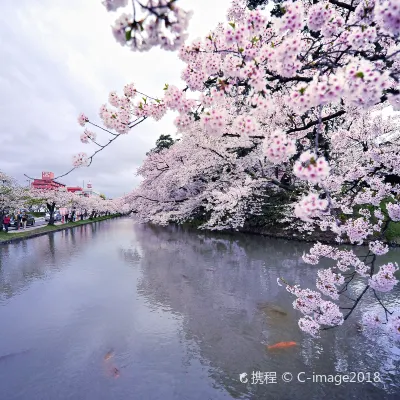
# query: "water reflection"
28,260
183,313
216,283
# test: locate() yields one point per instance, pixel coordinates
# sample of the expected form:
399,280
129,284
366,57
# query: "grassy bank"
11,236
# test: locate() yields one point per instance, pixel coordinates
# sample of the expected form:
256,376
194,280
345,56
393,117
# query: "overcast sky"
59,58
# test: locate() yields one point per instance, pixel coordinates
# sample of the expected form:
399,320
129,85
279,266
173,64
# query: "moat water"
118,310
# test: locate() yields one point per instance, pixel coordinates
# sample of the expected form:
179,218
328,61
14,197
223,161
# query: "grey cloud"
59,59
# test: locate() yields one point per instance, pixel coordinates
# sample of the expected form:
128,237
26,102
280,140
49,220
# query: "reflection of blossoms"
394,326
371,320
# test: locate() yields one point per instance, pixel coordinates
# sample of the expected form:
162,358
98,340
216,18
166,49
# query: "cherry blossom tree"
51,199
290,101
152,23
12,196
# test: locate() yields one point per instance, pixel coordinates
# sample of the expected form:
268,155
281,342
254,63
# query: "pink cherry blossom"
310,167
82,119
384,280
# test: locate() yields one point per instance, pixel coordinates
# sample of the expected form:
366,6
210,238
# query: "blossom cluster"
88,135
113,5
163,24
293,17
378,248
393,211
279,147
214,121
345,258
245,125
82,119
317,311
384,280
328,281
310,206
311,168
387,14
80,160
267,77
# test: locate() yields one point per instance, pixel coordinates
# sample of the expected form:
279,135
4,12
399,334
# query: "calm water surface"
179,310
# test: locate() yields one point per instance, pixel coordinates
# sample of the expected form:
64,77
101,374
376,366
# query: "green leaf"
241,50
302,90
232,24
166,86
360,75
128,35
145,100
158,101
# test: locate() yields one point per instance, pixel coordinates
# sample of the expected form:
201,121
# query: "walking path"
42,228
39,223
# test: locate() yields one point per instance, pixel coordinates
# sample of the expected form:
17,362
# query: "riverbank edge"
56,228
321,237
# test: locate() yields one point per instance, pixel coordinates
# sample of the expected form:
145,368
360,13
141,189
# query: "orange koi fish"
282,345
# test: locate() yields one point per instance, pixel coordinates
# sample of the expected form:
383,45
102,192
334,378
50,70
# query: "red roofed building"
47,182
74,189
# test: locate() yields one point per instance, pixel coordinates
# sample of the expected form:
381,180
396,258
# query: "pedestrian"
19,220
24,220
6,222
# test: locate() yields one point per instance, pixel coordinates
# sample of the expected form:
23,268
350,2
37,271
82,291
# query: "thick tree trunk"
51,207
1,220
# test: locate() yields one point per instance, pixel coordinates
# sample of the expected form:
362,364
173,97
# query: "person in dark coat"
18,220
